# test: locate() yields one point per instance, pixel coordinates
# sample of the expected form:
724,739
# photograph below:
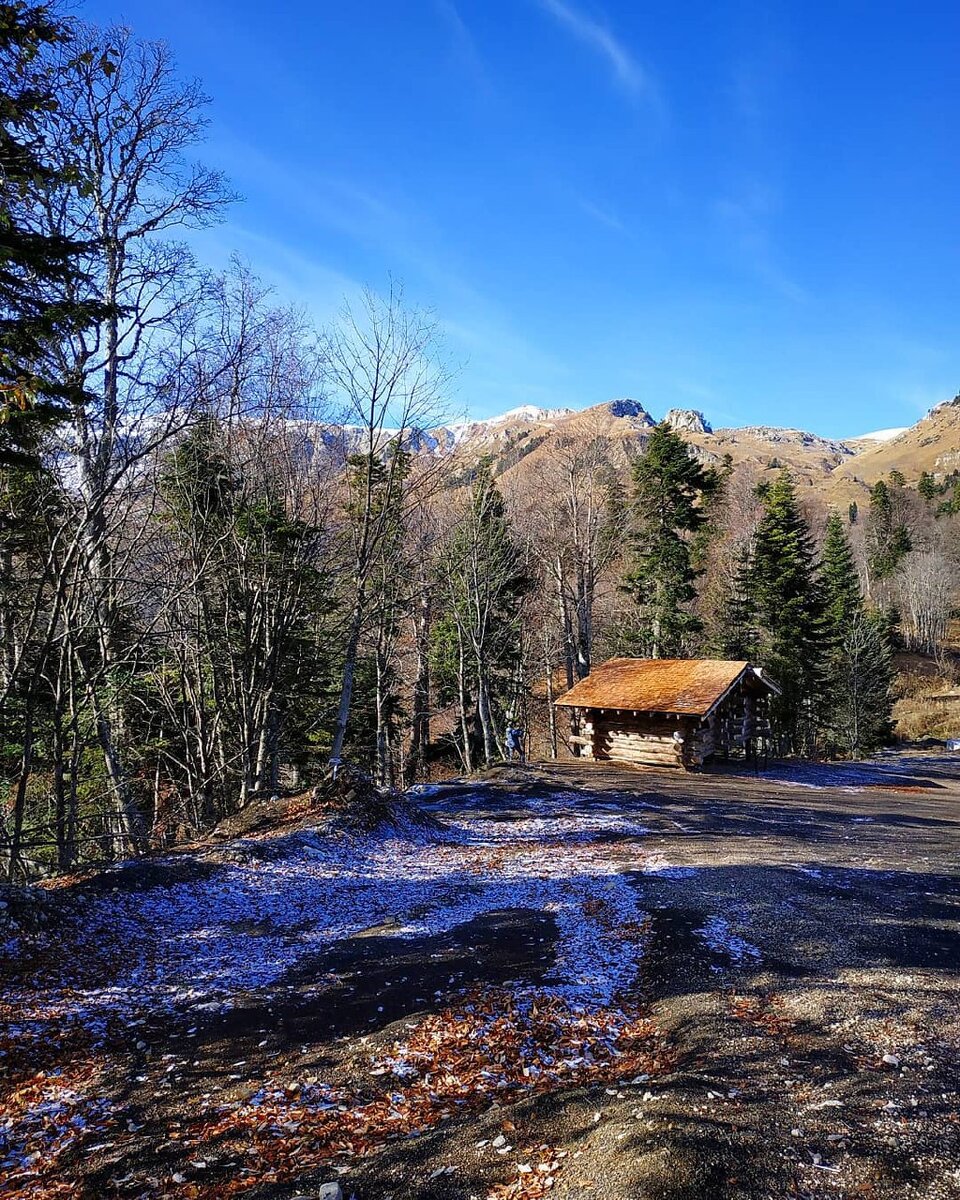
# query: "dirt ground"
572,980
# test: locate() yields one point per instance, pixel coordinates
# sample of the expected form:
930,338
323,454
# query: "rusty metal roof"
670,685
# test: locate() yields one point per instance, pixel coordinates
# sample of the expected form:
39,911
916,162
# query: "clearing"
573,980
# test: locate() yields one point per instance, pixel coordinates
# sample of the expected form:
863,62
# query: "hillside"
526,438
932,444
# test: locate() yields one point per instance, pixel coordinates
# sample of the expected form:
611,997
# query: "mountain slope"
521,446
840,470
933,445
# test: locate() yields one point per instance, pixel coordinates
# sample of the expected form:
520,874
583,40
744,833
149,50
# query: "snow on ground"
717,933
882,771
881,435
273,905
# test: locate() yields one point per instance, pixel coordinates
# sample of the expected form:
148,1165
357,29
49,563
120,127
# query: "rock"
330,1191
688,420
632,409
210,1006
891,1060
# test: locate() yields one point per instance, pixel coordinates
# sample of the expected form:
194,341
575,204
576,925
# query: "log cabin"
668,712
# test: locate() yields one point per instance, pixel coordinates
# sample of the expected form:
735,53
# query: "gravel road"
570,979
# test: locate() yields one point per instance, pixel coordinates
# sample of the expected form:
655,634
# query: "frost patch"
721,939
670,871
204,941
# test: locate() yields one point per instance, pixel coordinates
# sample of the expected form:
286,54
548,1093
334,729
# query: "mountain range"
843,469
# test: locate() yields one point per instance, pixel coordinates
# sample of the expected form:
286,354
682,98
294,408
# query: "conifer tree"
859,662
927,486
38,271
670,491
788,604
888,539
737,634
838,574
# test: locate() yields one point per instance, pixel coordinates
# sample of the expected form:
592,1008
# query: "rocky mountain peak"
633,409
688,420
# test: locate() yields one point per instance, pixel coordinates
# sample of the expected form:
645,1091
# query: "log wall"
647,739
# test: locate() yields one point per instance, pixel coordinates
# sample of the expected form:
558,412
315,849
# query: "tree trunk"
129,824
346,687
14,860
420,722
566,626
486,719
462,700
551,711
59,783
382,771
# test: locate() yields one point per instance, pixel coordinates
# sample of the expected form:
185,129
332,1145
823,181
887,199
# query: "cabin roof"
692,686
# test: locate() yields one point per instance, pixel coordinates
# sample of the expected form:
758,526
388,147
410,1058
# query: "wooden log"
641,756
666,748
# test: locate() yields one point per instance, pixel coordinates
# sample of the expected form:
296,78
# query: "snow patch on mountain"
880,435
529,412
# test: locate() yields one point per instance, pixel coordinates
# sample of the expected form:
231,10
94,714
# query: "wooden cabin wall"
742,717
648,739
643,739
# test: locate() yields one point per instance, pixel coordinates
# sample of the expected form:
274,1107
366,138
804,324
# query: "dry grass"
920,711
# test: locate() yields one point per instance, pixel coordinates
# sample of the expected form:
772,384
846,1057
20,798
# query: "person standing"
515,739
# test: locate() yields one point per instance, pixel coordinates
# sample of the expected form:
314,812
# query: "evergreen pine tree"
838,575
737,634
951,506
927,486
670,490
859,663
888,540
38,272
789,613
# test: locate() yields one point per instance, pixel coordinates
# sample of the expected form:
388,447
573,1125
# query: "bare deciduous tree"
925,587
386,375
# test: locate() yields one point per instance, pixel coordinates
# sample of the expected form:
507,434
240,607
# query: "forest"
232,552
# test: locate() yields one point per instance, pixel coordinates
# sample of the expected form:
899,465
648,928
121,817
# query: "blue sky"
748,208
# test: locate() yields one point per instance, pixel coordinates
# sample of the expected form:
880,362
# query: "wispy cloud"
602,216
745,218
296,278
388,228
628,73
464,42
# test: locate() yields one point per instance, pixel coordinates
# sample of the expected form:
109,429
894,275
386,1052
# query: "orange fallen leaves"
764,1012
44,1116
494,1046
535,1178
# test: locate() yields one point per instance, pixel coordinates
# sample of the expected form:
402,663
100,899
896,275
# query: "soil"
799,961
